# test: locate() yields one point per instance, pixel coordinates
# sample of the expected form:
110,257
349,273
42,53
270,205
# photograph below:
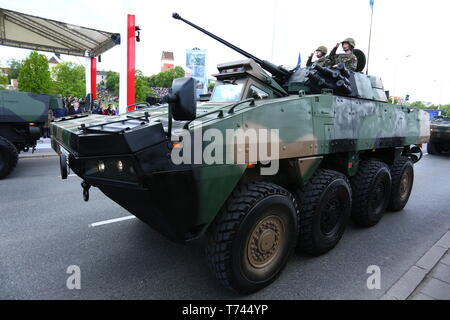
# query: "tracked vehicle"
338,148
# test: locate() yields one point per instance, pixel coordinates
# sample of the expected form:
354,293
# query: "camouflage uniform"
323,61
348,59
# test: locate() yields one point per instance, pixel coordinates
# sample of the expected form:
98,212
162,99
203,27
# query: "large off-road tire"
402,174
325,206
251,239
371,191
433,148
8,157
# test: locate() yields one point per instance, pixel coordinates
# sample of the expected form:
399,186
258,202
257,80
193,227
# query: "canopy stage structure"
36,33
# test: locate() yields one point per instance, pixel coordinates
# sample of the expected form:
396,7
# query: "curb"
45,154
39,156
406,285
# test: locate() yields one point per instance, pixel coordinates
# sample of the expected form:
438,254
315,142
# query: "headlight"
119,166
116,169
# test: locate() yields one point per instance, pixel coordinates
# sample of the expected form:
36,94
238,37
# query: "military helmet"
350,41
322,49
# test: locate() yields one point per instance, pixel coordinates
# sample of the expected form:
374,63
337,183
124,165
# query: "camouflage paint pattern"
19,107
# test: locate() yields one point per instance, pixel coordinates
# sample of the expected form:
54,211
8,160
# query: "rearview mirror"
182,99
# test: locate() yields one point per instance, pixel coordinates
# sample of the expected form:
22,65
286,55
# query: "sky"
408,49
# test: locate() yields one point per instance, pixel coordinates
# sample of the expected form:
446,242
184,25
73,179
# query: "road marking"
101,223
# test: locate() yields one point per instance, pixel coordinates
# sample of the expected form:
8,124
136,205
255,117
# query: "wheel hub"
264,241
378,196
330,216
404,186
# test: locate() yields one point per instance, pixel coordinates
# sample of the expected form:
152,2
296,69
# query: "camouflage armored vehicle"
439,136
337,149
22,116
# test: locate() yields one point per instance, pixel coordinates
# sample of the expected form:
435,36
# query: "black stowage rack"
100,128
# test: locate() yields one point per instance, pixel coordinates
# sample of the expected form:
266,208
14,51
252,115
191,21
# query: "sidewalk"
43,150
428,279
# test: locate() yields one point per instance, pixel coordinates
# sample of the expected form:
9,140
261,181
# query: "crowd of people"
106,105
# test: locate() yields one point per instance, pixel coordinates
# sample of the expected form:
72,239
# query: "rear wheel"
433,148
325,209
253,236
371,190
402,173
8,157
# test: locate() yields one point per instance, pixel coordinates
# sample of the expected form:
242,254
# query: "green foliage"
429,105
34,76
211,85
3,82
142,89
164,79
14,68
446,109
112,82
422,105
69,79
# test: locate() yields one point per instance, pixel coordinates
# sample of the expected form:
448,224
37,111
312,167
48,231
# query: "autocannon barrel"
280,74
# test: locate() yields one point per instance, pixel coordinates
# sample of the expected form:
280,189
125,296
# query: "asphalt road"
45,228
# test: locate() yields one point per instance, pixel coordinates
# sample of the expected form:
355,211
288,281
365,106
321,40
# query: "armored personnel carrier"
439,136
337,150
22,116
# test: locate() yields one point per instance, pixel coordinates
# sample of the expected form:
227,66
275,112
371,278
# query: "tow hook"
86,186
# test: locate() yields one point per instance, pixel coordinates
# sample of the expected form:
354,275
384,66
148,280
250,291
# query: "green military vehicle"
22,116
337,150
439,136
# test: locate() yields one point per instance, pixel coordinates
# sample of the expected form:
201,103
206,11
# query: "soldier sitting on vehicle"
348,58
320,53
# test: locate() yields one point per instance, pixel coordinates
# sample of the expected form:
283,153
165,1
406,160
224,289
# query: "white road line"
101,223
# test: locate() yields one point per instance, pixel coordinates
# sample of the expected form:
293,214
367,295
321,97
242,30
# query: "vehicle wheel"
253,236
325,207
371,190
402,173
8,157
433,148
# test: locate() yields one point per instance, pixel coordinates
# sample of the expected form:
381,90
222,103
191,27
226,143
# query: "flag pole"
370,37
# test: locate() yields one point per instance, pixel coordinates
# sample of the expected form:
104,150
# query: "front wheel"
253,236
8,157
433,148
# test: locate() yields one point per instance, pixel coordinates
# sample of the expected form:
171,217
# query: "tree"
164,79
3,82
14,68
112,82
34,76
69,79
419,104
142,90
211,85
446,109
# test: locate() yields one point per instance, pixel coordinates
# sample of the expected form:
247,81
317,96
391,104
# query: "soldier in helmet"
347,58
320,53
